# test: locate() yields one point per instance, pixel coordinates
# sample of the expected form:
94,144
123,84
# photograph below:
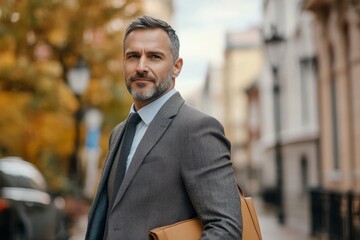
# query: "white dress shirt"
147,114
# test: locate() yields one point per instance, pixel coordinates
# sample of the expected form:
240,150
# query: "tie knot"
134,118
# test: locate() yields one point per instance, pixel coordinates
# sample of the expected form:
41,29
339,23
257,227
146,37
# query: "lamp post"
275,46
78,79
93,120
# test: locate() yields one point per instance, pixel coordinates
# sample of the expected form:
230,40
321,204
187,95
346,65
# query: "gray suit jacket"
181,169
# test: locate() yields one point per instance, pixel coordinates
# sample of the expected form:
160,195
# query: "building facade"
289,139
211,99
252,144
242,65
338,42
336,203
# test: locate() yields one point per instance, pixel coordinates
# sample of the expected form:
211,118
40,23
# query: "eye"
155,57
132,56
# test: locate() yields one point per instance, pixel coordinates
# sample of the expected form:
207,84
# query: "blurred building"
338,42
242,65
290,115
309,107
224,96
336,203
211,99
253,143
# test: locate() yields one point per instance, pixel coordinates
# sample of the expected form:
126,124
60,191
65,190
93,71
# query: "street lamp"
275,47
93,120
78,79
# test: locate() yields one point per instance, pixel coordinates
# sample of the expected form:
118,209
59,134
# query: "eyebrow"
156,53
131,52
148,53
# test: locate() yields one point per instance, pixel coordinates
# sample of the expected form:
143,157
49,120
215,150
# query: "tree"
39,41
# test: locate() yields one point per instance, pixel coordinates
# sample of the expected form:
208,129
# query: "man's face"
150,70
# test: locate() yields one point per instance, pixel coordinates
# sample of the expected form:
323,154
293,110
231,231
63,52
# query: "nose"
142,65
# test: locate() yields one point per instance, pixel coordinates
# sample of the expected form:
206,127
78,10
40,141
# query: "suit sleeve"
210,182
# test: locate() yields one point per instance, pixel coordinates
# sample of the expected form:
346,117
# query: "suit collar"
149,111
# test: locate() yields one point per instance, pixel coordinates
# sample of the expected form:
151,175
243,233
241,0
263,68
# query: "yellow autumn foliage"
13,121
7,59
37,118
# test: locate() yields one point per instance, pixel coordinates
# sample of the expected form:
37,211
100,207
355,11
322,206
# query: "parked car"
27,210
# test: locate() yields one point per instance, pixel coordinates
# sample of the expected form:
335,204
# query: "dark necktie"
125,146
120,162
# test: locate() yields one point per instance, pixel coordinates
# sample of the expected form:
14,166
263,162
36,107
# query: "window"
304,172
335,129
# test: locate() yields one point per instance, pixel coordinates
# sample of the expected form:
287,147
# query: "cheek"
128,71
163,71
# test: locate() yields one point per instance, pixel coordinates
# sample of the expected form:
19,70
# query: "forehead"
147,39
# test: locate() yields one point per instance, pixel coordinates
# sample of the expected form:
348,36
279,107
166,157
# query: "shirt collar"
148,112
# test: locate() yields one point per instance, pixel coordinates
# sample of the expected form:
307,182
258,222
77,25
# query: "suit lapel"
110,159
108,163
152,135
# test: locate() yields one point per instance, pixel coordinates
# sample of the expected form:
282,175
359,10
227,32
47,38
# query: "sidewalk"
271,229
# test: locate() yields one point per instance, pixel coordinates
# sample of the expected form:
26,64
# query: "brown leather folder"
191,229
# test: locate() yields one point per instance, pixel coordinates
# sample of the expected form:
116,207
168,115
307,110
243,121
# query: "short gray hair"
146,22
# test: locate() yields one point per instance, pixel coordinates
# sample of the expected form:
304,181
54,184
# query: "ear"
177,67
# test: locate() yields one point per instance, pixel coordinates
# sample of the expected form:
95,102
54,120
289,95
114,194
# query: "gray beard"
153,93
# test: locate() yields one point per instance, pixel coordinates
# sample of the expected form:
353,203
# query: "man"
179,163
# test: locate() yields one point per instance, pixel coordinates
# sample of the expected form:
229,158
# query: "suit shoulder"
193,115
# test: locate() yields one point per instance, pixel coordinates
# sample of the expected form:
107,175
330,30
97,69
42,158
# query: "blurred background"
281,76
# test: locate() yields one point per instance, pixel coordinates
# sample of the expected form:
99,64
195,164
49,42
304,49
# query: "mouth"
142,80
